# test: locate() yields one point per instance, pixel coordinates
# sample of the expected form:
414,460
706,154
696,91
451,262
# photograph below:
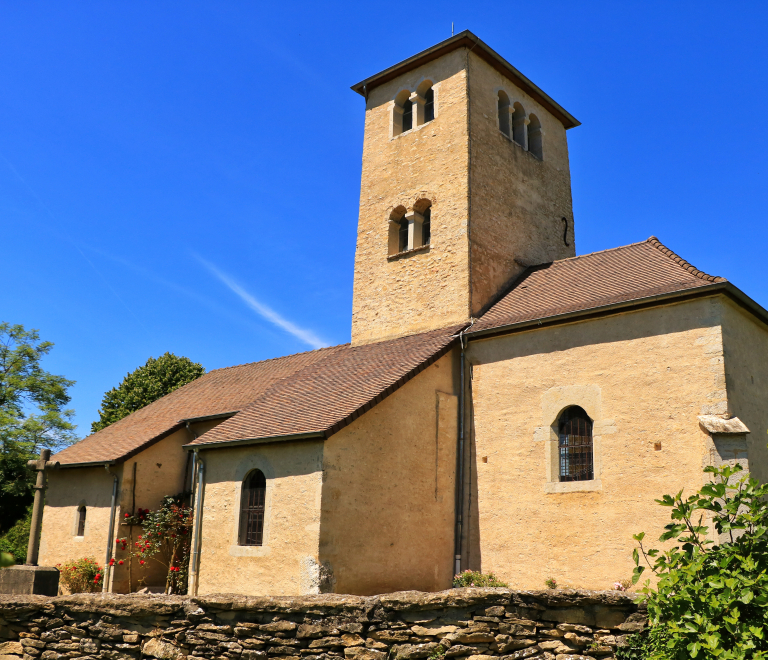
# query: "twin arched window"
81,520
513,122
575,445
252,507
408,231
413,109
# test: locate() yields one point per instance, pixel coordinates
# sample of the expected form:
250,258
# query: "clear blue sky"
173,173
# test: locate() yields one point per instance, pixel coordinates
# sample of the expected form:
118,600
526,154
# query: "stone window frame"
76,522
415,219
554,402
517,122
418,99
244,468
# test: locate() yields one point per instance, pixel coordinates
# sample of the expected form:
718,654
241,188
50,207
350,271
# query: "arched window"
575,445
503,106
426,226
402,113
518,125
402,235
81,520
534,137
407,115
252,505
429,106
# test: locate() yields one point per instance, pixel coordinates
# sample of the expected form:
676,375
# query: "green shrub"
16,539
711,601
476,579
550,583
81,575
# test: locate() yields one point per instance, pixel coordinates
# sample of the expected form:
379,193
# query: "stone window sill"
573,486
517,144
407,253
249,550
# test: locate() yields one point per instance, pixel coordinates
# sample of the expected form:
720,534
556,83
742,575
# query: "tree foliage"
32,415
146,384
711,600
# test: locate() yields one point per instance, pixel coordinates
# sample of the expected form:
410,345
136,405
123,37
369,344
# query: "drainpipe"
110,533
194,560
460,459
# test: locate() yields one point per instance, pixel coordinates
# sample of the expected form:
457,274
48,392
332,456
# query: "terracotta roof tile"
329,394
217,392
593,280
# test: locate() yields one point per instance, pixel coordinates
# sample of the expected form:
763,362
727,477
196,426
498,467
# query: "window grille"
403,236
429,106
407,115
575,445
81,521
252,505
426,229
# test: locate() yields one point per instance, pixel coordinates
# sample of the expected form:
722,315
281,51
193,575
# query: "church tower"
465,183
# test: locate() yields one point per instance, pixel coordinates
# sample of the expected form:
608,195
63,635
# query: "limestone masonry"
462,623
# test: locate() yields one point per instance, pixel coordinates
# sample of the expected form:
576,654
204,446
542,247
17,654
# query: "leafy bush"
711,601
81,575
476,579
16,539
550,583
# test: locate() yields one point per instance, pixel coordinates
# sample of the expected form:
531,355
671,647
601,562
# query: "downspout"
110,532
460,458
194,560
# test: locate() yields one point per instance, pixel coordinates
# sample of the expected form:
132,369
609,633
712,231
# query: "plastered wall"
644,378
287,562
517,202
429,162
745,341
389,490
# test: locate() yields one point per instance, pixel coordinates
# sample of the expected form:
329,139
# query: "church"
504,404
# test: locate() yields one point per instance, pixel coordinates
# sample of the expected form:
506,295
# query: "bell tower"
465,183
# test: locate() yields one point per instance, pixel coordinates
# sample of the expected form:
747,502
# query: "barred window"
252,505
575,445
81,521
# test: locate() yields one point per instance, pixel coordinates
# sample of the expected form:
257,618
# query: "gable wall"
745,340
389,490
644,378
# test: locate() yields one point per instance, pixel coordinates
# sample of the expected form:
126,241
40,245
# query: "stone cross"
41,465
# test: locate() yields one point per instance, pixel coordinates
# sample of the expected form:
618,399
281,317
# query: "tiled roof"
329,394
217,392
622,274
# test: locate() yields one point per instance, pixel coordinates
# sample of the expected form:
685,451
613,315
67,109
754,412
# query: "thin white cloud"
307,336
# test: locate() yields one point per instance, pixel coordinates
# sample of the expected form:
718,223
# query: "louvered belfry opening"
252,509
575,445
81,521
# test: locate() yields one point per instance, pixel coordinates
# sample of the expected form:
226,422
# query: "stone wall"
482,623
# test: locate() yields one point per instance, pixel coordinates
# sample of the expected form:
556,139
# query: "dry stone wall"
471,624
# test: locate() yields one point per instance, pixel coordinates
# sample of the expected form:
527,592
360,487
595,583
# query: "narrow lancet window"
81,520
402,235
534,137
426,227
575,445
518,125
407,115
252,507
503,106
429,106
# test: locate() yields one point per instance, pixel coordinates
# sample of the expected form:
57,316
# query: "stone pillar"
43,463
415,233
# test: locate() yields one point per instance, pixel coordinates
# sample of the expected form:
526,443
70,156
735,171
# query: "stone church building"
504,405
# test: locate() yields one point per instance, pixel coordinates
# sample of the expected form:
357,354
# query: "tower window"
252,507
575,445
429,106
503,107
402,235
407,115
535,137
426,228
518,125
81,520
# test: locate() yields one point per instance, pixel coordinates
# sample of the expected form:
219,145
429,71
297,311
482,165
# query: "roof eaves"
607,310
469,40
314,435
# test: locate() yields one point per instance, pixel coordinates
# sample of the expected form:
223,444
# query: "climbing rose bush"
165,540
81,575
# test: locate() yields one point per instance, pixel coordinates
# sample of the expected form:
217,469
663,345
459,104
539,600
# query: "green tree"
711,599
146,384
32,416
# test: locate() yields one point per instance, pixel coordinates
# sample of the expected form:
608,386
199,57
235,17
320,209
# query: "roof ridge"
278,357
655,242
